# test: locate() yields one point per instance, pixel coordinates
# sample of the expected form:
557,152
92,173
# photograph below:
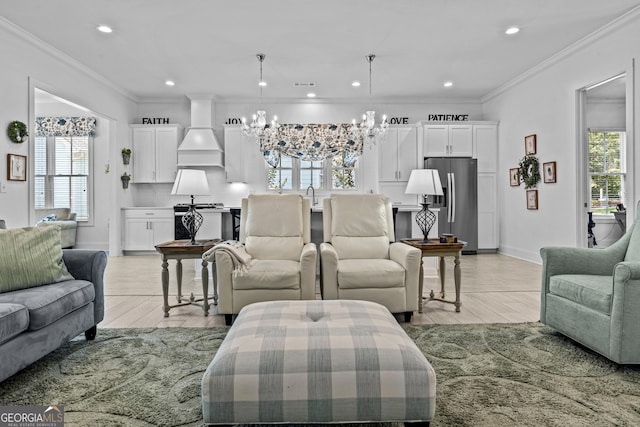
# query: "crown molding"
614,25
163,100
353,101
591,100
63,57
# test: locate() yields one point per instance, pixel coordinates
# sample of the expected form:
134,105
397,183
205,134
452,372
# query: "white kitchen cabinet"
397,157
487,211
234,164
154,153
441,140
397,154
145,228
485,149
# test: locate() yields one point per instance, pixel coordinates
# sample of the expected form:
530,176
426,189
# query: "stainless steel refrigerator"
459,205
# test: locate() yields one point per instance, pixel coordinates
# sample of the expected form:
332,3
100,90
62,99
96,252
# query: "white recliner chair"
63,218
276,231
359,259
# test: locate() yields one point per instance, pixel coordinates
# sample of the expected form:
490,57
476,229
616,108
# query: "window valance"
65,126
313,142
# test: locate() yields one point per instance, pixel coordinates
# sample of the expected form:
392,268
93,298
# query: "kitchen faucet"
313,194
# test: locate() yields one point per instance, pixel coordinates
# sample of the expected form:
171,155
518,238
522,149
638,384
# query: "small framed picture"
549,170
514,177
530,144
532,199
16,167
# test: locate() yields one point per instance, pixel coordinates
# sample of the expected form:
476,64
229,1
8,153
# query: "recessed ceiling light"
262,83
448,84
355,84
170,83
512,30
311,95
104,29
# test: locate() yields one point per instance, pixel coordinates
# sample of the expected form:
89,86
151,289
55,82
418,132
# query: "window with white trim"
607,170
62,174
330,174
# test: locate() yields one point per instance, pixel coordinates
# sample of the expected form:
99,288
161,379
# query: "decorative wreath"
529,169
17,131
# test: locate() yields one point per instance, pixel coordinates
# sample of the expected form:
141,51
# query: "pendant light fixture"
368,129
259,127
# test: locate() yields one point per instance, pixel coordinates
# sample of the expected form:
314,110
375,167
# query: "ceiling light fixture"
512,30
448,84
104,29
170,83
355,84
368,129
259,127
311,95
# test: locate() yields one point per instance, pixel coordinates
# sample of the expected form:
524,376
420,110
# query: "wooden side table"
434,248
179,250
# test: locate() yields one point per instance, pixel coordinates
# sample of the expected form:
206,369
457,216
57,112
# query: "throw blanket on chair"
239,257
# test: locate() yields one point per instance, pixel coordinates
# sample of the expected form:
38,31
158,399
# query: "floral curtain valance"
313,141
65,126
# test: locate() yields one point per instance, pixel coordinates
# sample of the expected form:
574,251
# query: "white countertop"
316,208
146,208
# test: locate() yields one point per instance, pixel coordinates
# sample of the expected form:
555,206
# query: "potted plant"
125,178
126,155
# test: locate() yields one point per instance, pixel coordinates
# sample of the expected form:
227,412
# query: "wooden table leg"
179,279
165,285
214,278
420,285
205,287
442,276
457,279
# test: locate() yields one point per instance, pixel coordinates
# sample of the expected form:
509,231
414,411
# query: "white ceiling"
209,46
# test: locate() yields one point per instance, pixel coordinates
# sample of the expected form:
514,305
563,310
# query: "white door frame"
582,135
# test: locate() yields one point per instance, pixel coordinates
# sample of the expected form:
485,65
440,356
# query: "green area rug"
488,375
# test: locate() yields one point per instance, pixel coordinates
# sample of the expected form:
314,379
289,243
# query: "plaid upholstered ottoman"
317,362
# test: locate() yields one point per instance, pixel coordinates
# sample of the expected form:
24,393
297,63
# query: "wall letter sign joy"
449,117
233,121
155,120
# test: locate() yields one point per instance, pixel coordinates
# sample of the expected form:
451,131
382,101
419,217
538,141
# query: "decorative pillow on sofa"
50,217
30,257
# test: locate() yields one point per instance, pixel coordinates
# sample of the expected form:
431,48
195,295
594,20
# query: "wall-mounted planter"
125,178
126,156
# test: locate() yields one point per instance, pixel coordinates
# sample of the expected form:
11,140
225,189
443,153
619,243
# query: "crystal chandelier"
259,127
367,129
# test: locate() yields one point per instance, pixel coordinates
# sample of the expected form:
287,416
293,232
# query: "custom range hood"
200,146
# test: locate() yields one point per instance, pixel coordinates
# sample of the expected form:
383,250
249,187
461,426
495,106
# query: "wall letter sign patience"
155,120
449,117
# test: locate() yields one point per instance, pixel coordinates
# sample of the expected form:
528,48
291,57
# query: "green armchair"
593,295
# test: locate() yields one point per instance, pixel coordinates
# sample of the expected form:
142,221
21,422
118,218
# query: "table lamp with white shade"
427,183
191,182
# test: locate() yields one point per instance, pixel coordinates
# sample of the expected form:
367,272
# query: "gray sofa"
36,321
